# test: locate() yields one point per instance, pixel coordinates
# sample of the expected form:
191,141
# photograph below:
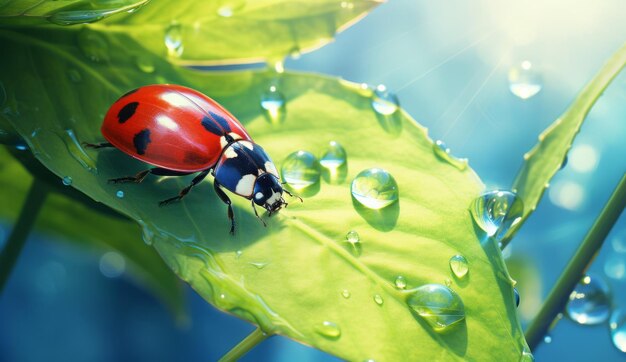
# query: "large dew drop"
174,40
438,305
273,105
496,211
384,102
300,169
329,330
617,325
374,188
459,266
400,282
334,157
524,80
590,302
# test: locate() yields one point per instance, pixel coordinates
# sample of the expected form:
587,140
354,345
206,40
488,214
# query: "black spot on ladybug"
141,141
193,158
128,93
221,120
211,126
127,111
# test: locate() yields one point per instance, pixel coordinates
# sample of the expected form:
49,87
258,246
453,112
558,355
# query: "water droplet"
384,102
459,266
378,299
67,180
347,5
527,356
438,305
329,330
145,64
77,151
345,293
448,282
524,80
258,265
174,40
120,194
230,8
400,282
517,297
93,45
21,146
496,212
334,157
352,237
273,104
146,233
238,254
374,188
300,169
74,75
590,302
295,53
547,339
112,264
443,152
617,326
77,17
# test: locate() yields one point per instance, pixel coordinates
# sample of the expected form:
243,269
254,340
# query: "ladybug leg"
140,176
257,214
186,190
292,195
222,195
97,145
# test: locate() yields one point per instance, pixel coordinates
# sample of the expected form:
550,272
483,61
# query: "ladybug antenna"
257,214
292,195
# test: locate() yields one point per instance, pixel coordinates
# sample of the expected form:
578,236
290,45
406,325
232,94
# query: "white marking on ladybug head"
269,166
245,186
230,152
258,195
274,198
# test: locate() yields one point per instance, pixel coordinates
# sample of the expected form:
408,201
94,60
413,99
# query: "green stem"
35,199
254,338
577,266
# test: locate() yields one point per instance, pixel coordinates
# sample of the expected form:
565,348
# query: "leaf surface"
290,276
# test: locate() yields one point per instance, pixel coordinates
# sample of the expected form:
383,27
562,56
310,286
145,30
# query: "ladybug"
181,131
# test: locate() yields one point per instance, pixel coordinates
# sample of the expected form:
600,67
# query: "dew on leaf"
496,212
300,169
329,330
258,265
378,299
526,356
174,40
74,75
590,302
459,266
374,188
617,327
67,180
442,151
384,102
145,64
345,293
76,150
334,157
437,305
400,282
273,105
119,194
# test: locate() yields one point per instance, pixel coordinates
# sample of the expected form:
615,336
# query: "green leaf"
288,277
76,219
63,12
546,158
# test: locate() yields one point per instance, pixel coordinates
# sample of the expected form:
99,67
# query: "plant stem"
577,266
8,256
254,338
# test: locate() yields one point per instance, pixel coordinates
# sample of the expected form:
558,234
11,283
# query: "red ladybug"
181,131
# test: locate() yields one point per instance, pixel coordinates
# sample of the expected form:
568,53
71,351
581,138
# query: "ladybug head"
268,193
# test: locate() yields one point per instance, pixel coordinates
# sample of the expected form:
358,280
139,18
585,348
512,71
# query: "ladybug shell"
171,126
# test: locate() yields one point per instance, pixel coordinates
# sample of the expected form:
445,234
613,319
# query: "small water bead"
517,297
77,151
238,254
459,266
590,302
442,151
617,326
258,265
438,305
119,194
93,45
353,237
300,169
448,282
527,356
496,211
400,282
74,75
174,40
145,64
378,299
345,293
374,188
524,80
334,157
273,104
329,330
67,180
384,102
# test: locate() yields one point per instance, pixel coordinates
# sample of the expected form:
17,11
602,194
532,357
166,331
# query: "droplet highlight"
378,299
273,104
617,327
334,157
300,169
374,188
590,302
67,180
524,80
437,305
346,293
174,40
459,266
145,64
353,237
496,212
119,194
384,102
329,330
442,151
400,282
